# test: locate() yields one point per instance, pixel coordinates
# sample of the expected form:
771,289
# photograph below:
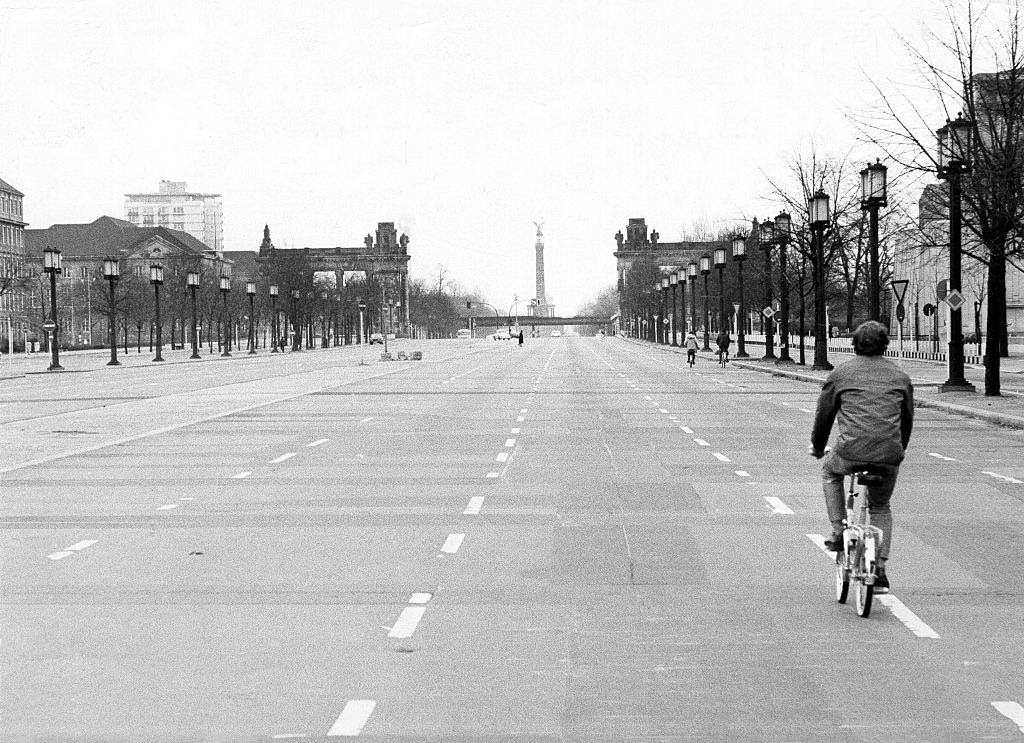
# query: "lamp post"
250,289
112,272
873,196
192,282
296,331
673,281
705,269
664,324
766,237
691,274
783,232
52,266
225,287
739,255
817,208
954,141
362,337
156,278
274,290
720,260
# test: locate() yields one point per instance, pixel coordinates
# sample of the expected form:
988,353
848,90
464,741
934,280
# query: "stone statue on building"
404,241
618,239
368,241
654,237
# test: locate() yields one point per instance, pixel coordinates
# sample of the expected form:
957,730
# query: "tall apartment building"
13,271
175,207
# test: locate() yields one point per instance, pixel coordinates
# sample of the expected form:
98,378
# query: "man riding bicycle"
724,341
691,346
873,402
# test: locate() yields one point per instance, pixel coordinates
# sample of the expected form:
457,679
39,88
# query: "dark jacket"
873,401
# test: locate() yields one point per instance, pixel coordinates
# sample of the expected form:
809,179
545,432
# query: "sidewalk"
1005,410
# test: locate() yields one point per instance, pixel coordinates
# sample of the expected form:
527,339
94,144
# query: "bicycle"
723,357
858,561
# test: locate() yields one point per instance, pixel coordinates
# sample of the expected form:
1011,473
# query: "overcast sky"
463,122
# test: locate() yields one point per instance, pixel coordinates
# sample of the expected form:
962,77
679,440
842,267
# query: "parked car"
464,333
556,333
376,338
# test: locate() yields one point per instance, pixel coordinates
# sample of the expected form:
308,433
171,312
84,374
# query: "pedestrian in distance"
872,402
520,337
691,346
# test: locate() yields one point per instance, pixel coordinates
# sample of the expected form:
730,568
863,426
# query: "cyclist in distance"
724,341
691,346
872,400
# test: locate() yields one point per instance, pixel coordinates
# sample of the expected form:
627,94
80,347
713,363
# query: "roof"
244,263
5,186
105,236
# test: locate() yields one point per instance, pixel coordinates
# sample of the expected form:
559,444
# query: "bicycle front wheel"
864,594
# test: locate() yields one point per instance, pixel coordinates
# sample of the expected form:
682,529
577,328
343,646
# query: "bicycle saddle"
870,476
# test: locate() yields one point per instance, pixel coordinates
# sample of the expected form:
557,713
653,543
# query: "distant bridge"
531,321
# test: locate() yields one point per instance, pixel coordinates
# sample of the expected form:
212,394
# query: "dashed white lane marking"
778,506
686,429
60,555
474,506
286,455
647,397
168,507
318,442
241,475
673,418
662,410
940,456
720,457
520,419
702,442
515,430
493,475
522,410
186,499
420,598
452,543
909,618
509,443
287,736
352,718
76,547
407,621
367,419
786,404
742,473
503,457
1013,711
1004,478
805,410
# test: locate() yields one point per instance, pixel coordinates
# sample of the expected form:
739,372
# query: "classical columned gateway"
383,259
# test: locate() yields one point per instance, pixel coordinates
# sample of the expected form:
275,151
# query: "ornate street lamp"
705,269
274,290
720,261
783,233
225,287
296,331
192,282
250,289
739,255
663,320
362,336
766,237
673,281
112,272
873,196
156,278
954,140
817,208
691,274
52,265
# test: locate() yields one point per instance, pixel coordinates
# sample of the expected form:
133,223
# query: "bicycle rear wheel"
842,579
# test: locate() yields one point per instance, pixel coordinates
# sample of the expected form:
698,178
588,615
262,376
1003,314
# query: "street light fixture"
296,331
664,322
52,265
783,233
720,261
954,141
817,208
766,238
274,291
225,287
691,274
250,289
156,278
192,282
673,281
705,269
112,273
362,337
739,255
873,196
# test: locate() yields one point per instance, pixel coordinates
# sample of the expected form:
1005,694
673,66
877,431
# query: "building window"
179,225
147,220
179,210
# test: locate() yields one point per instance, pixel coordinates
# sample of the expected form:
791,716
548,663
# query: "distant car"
464,333
502,335
556,333
376,338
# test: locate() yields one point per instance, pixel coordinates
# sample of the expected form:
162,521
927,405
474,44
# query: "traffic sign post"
899,288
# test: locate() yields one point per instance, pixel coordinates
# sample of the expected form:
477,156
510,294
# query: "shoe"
881,581
834,543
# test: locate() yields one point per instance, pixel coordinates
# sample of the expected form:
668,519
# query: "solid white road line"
452,543
168,507
778,506
352,719
241,475
819,540
720,457
407,621
1013,711
742,473
909,618
503,457
702,442
60,555
939,456
318,442
1004,478
509,443
287,455
475,504
420,598
79,546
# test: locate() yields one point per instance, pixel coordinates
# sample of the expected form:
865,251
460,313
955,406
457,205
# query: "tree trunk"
995,324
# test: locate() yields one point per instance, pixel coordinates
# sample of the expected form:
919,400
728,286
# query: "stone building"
175,207
13,277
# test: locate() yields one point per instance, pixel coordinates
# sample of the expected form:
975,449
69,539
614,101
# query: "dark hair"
870,339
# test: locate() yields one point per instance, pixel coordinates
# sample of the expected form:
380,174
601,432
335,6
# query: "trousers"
833,470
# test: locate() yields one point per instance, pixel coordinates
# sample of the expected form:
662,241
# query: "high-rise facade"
13,272
175,207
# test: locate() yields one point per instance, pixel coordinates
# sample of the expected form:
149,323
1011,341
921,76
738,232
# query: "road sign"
49,325
899,288
928,309
768,312
955,300
901,313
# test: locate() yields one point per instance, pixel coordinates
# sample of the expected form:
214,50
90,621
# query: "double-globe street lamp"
156,278
52,265
225,288
691,274
779,232
954,144
250,289
274,291
673,281
739,255
663,324
873,196
112,272
296,330
817,208
764,238
705,269
720,260
192,282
